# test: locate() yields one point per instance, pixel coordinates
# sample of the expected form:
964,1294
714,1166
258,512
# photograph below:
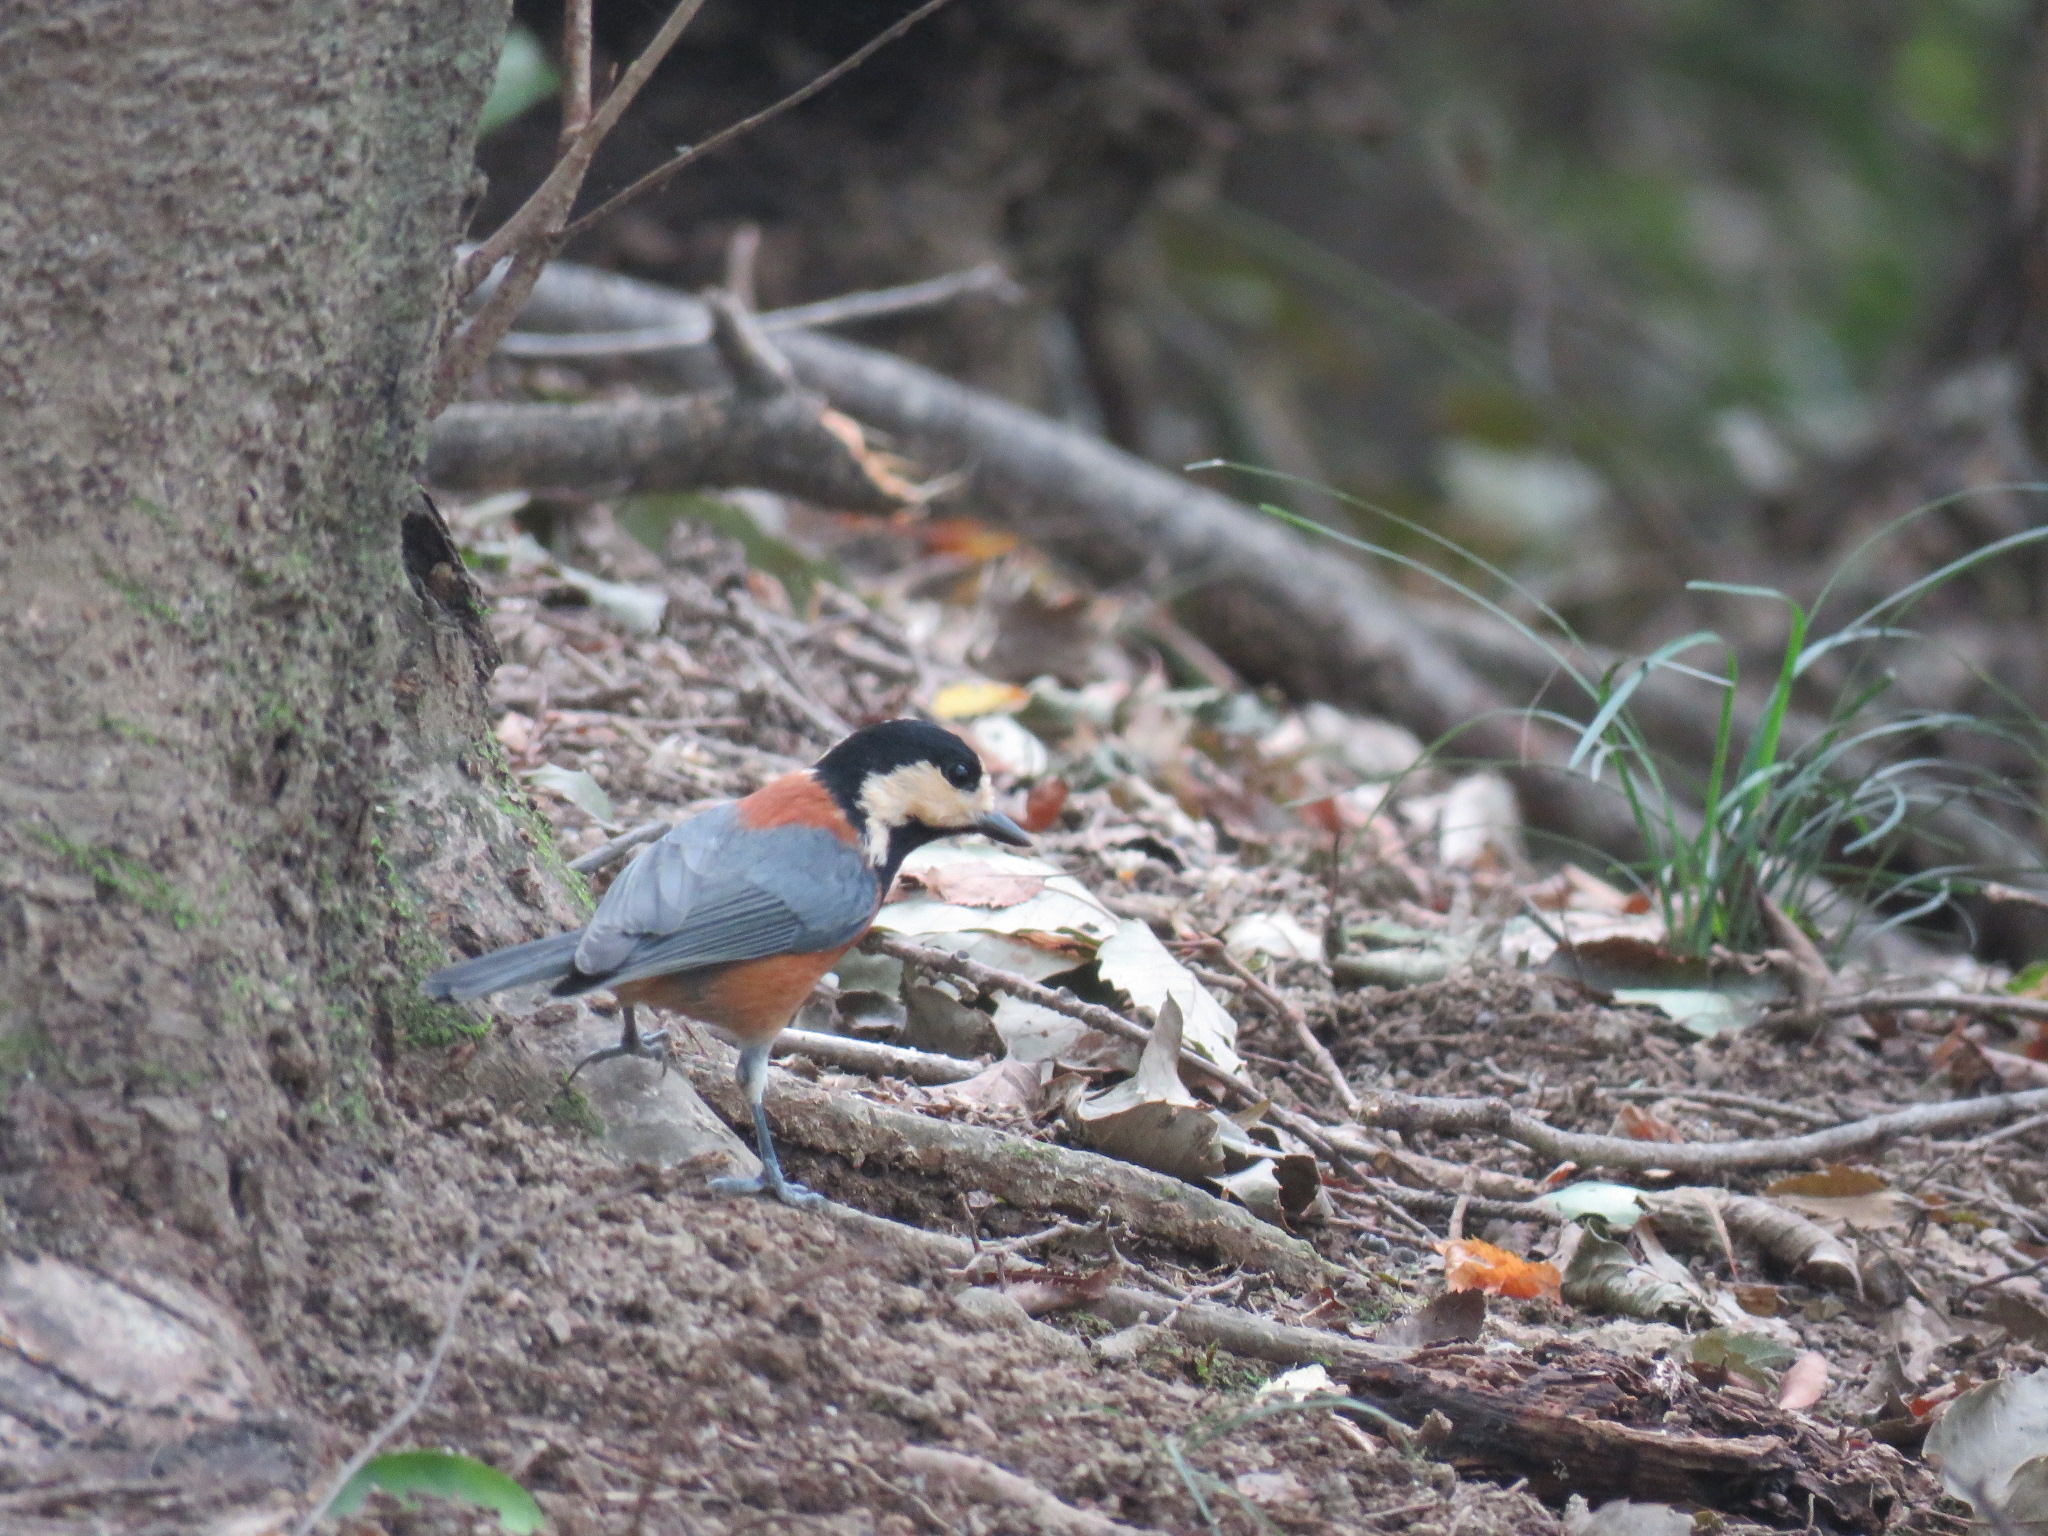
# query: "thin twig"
1953,1002
609,853
2011,1274
1720,1098
1290,1015
1495,1117
534,234
406,1412
989,278
726,135
2006,1133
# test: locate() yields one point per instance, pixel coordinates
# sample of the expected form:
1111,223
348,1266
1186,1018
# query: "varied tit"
735,915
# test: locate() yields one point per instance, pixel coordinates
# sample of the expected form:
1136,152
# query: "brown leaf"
1837,1182
1042,806
1804,1383
978,885
1453,1318
1640,1125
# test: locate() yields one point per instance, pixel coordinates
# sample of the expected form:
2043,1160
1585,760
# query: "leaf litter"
1174,818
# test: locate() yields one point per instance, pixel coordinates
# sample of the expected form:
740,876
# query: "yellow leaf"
978,696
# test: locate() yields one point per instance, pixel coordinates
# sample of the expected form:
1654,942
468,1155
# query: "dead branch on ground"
1495,1117
1033,1175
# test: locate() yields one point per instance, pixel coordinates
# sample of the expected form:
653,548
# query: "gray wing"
713,892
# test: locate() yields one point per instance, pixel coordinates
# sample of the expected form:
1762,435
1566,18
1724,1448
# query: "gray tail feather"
542,960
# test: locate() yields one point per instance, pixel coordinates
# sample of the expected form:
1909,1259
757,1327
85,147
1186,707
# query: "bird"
736,914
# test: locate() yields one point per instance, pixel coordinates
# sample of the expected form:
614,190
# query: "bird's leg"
753,1080
652,1046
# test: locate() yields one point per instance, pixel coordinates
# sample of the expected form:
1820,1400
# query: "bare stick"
873,1059
1495,1117
1952,1002
610,853
1318,1052
2017,1129
411,1407
988,278
726,135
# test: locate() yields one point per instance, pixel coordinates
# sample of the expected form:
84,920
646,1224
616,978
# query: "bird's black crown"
880,749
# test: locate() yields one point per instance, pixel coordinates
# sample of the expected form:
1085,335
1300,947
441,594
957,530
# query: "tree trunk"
242,771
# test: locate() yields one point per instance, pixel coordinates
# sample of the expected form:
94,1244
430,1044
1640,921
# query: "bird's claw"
652,1046
794,1195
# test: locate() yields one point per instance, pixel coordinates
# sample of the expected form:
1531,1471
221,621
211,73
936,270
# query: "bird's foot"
789,1194
651,1046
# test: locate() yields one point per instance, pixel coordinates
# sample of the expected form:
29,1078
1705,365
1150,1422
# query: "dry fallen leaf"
978,884
1805,1383
1042,806
1639,1124
1470,1265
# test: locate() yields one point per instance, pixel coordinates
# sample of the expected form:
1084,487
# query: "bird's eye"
960,775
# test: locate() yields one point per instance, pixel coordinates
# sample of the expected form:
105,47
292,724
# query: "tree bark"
241,779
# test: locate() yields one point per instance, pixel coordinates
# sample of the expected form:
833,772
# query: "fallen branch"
1033,1175
872,1059
1316,623
983,1482
1495,1117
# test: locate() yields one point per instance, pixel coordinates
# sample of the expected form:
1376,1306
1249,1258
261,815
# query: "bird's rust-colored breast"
795,800
751,1000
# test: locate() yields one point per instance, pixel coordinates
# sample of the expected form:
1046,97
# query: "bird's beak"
998,826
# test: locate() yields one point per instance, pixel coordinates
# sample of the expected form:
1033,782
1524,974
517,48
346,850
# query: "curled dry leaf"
1008,1084
1047,932
1786,1237
1150,1118
1603,1276
1278,934
1456,1317
1049,1291
1470,1265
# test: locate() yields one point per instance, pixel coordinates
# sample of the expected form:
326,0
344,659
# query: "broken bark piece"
1577,1420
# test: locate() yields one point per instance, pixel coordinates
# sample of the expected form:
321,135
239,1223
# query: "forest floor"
647,1357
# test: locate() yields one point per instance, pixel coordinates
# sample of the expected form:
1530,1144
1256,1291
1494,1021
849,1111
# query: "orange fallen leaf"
1470,1265
1640,1125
